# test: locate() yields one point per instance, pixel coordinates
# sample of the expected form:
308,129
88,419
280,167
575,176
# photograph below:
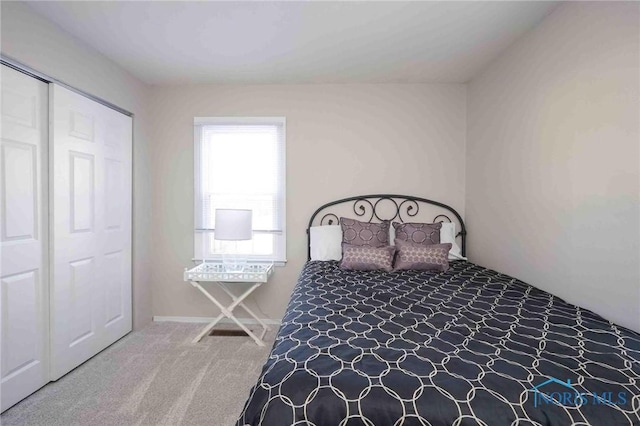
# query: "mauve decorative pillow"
421,257
364,233
366,258
418,233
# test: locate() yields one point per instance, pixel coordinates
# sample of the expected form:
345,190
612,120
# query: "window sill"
278,263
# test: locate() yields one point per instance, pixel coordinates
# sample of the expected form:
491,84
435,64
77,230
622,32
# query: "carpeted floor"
155,376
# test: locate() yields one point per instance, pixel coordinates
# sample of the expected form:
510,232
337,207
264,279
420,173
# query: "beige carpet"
155,376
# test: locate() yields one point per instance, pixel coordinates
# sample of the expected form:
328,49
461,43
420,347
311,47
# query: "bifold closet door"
90,196
24,304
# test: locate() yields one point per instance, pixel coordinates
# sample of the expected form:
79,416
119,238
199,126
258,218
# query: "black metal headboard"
365,208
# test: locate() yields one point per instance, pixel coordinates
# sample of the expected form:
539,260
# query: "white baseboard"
205,320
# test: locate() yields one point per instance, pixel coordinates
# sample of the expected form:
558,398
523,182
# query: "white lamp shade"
233,224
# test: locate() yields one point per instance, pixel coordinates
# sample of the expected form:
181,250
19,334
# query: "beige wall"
553,156
39,44
341,140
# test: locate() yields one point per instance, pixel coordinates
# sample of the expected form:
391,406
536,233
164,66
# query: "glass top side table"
255,273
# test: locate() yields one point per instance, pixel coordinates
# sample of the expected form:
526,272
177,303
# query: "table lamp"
233,225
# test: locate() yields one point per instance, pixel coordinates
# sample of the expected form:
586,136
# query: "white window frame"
280,250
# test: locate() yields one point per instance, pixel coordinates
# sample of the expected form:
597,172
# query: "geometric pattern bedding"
469,346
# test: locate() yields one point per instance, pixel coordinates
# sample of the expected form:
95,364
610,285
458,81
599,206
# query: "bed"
469,346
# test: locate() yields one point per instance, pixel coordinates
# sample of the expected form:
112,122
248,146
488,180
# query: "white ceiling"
297,42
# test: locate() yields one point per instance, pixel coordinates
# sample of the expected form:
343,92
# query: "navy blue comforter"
469,347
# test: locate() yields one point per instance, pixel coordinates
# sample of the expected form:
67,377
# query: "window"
240,164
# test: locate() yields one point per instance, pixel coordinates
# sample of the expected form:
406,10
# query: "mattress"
468,346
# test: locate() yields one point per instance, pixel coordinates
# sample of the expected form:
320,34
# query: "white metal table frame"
256,273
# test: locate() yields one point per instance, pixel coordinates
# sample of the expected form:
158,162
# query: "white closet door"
24,302
91,224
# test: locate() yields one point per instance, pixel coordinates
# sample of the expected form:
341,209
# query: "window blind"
240,163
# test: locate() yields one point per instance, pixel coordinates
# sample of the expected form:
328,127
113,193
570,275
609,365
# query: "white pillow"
326,242
448,235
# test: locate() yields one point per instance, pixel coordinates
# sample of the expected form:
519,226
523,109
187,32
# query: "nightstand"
231,283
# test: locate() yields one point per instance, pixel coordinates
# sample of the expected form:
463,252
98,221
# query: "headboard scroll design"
368,208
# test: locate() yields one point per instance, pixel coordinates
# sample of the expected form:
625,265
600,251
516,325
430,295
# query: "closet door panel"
91,194
24,303
117,212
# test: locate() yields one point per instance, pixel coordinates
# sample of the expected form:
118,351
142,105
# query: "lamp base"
233,263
